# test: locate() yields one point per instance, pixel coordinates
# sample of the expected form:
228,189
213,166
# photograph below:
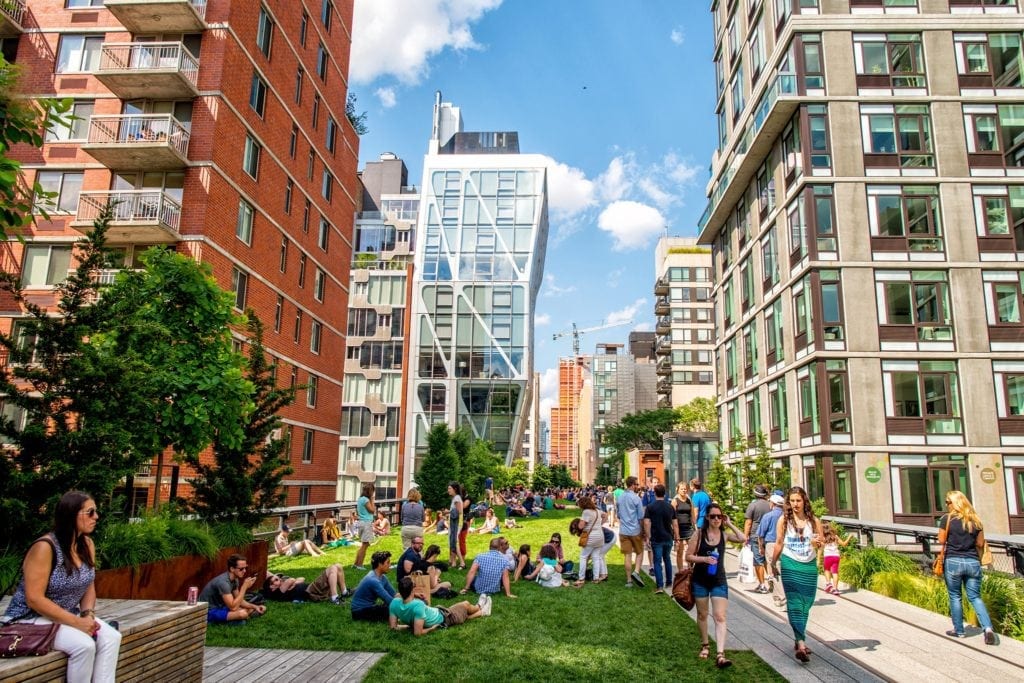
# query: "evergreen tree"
244,483
439,467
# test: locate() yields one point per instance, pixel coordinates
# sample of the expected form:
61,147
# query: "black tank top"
700,572
684,511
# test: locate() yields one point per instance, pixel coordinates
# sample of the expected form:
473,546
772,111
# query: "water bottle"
713,568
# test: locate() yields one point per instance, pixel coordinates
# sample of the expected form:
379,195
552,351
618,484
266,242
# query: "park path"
247,665
863,636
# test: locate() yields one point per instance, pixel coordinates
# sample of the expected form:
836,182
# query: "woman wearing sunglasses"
705,551
57,588
799,534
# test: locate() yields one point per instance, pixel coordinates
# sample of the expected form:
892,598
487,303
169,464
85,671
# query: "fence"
304,517
139,129
149,57
132,206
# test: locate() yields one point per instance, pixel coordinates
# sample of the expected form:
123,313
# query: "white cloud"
677,36
678,170
616,180
653,191
626,314
569,190
551,289
644,327
387,97
548,392
541,319
398,37
632,225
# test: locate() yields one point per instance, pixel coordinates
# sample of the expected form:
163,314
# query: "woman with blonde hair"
963,539
413,515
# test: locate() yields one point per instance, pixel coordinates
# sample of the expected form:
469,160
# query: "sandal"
721,662
578,583
705,650
803,655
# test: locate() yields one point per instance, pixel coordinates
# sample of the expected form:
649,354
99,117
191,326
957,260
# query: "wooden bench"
160,641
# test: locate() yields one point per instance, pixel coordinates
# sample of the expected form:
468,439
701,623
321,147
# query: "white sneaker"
484,603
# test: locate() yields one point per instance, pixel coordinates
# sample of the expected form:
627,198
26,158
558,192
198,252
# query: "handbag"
585,535
937,569
682,588
21,640
986,555
421,580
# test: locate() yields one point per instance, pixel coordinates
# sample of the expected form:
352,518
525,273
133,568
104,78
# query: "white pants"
599,557
89,660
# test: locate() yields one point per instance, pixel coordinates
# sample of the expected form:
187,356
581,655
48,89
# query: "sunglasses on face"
715,516
91,512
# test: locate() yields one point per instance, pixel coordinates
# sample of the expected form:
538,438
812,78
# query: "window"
289,188
60,191
78,126
251,157
750,351
45,265
820,147
243,227
312,385
736,92
332,131
264,32
258,95
326,186
999,217
293,141
305,215
803,313
1003,297
917,298
321,62
773,333
326,12
923,395
995,135
307,450
323,234
837,386
810,411
769,260
756,49
778,412
310,163
78,53
889,61
989,60
303,27
298,85
70,4
319,284
792,159
240,286
753,401
906,216
900,135
315,331
302,270
924,481
283,259
766,188
316,111
1010,393
297,332
278,313
746,284
831,305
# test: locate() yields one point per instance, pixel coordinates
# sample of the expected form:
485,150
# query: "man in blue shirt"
766,539
631,535
374,593
489,572
700,500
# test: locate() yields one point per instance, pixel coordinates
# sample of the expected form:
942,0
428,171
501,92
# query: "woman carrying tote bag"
963,538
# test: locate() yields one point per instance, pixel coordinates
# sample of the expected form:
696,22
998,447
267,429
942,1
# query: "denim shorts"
720,591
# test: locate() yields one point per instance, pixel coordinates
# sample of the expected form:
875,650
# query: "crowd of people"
785,538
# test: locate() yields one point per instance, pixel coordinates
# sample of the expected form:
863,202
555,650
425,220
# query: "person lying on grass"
281,588
410,611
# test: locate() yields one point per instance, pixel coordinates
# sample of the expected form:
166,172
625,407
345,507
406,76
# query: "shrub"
190,538
860,565
1004,599
10,572
231,534
913,588
129,544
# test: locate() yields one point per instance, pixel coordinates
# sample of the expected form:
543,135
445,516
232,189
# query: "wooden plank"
239,668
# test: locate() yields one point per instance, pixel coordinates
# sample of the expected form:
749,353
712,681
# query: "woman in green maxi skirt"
799,536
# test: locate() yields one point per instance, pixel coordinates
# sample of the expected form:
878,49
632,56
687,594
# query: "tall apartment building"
376,355
218,127
623,384
685,321
565,447
866,211
483,229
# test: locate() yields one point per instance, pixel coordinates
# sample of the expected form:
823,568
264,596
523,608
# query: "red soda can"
193,595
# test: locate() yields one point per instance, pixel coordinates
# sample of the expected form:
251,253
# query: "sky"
619,94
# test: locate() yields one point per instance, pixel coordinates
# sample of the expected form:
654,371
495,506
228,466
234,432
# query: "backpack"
546,572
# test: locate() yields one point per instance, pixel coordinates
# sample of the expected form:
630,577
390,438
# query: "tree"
510,477
358,121
719,485
440,466
641,430
244,483
481,462
561,478
542,478
699,415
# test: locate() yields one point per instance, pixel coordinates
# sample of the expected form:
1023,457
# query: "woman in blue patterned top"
58,588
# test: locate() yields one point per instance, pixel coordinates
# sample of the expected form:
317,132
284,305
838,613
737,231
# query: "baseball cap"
777,499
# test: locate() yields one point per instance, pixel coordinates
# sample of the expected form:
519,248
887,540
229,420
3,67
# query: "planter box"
170,579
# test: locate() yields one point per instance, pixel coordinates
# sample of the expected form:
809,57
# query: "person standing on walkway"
961,532
365,510
660,526
798,535
684,520
766,542
456,560
757,509
631,535
706,549
700,500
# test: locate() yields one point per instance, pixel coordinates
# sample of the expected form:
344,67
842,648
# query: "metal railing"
200,7
304,517
1007,551
14,9
106,276
149,57
131,205
140,129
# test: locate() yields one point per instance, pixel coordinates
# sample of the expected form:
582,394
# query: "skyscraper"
867,217
483,232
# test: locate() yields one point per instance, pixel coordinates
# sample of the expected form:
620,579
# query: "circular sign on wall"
873,475
988,475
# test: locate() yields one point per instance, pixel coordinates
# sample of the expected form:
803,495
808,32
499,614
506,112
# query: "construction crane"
575,332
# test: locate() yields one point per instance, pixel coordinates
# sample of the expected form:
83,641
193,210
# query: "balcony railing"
139,129
165,70
14,10
143,207
104,276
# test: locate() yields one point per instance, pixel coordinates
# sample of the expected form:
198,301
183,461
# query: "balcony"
153,71
663,325
661,306
147,216
159,16
147,142
661,286
665,386
11,14
664,347
664,366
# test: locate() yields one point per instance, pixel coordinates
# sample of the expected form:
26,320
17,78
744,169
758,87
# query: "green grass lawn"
602,631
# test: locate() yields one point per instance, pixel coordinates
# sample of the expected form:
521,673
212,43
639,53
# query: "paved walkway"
864,636
235,664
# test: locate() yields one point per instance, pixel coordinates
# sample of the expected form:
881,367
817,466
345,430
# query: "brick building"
219,127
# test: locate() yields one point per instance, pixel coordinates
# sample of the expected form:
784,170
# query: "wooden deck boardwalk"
235,664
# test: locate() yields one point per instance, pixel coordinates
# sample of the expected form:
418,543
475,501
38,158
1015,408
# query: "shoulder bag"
941,557
585,535
682,587
21,640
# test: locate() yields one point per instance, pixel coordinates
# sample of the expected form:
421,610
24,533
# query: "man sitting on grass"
409,611
373,588
225,594
490,570
287,589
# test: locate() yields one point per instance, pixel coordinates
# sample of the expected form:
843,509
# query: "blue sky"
618,93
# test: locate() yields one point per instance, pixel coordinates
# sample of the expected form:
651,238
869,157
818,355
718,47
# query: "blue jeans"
965,572
662,556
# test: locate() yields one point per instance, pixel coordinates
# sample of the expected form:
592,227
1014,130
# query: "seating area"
162,641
